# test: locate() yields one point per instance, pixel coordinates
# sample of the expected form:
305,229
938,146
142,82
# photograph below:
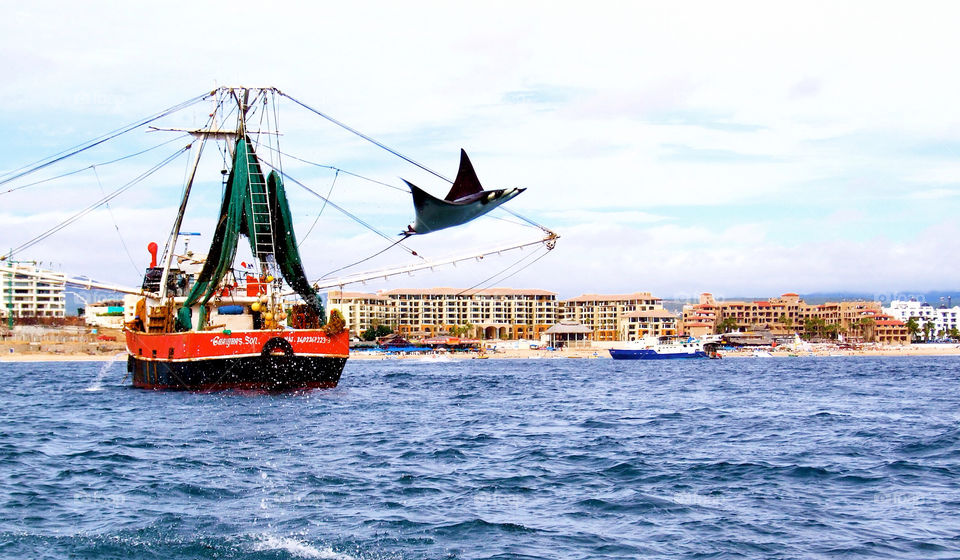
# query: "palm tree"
786,321
814,327
913,327
831,330
728,324
927,330
869,328
461,330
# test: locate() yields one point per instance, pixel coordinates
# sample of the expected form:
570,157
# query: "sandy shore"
23,355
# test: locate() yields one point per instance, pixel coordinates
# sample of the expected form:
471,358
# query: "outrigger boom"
549,241
78,282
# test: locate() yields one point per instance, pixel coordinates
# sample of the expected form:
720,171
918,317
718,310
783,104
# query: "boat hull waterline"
278,360
649,354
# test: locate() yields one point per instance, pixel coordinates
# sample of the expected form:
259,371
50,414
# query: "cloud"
674,152
671,153
934,194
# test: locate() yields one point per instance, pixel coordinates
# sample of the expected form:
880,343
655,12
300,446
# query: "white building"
494,313
28,296
105,314
943,318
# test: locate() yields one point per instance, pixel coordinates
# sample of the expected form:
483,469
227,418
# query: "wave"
480,525
297,548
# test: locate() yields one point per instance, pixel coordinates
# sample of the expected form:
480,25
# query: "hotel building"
637,325
360,310
789,314
944,319
495,313
603,313
28,296
699,319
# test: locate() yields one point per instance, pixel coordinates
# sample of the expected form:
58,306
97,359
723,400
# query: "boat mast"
175,232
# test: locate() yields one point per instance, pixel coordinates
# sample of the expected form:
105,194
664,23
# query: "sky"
730,147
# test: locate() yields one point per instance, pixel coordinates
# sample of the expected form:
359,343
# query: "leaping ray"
465,201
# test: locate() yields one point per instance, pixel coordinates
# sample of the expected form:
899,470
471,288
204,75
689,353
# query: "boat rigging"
208,324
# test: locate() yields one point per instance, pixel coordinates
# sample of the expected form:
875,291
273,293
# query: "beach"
111,351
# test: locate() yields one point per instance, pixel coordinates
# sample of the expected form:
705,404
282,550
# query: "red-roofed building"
887,330
789,314
699,319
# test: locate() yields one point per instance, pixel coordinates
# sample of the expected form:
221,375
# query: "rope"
40,164
378,253
94,206
345,172
344,211
489,278
94,166
115,225
528,220
320,213
184,192
364,136
396,153
276,124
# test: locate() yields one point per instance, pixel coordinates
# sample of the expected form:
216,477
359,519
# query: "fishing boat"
211,330
208,324
663,348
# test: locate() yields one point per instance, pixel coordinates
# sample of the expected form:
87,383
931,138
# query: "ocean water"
553,459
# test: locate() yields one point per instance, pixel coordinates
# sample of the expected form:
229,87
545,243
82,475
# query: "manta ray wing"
433,214
466,182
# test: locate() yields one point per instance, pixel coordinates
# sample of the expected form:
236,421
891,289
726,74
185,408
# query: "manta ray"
465,201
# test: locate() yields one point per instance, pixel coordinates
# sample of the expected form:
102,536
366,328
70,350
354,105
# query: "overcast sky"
731,147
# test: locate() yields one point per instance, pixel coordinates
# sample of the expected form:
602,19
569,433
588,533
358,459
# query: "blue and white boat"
663,348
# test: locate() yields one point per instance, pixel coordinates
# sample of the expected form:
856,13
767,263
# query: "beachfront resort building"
887,330
942,320
360,310
494,313
788,315
638,325
603,313
699,319
29,296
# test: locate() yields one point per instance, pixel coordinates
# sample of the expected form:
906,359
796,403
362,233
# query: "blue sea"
556,459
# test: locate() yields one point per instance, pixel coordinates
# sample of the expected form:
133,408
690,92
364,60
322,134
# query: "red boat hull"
277,360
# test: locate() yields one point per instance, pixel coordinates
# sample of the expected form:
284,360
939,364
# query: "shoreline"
577,353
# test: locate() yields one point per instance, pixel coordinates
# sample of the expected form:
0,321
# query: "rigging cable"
189,174
363,260
115,225
50,160
528,220
74,172
345,172
345,212
396,153
364,136
276,125
94,206
489,278
320,213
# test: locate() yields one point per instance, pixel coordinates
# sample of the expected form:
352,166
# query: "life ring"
275,344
